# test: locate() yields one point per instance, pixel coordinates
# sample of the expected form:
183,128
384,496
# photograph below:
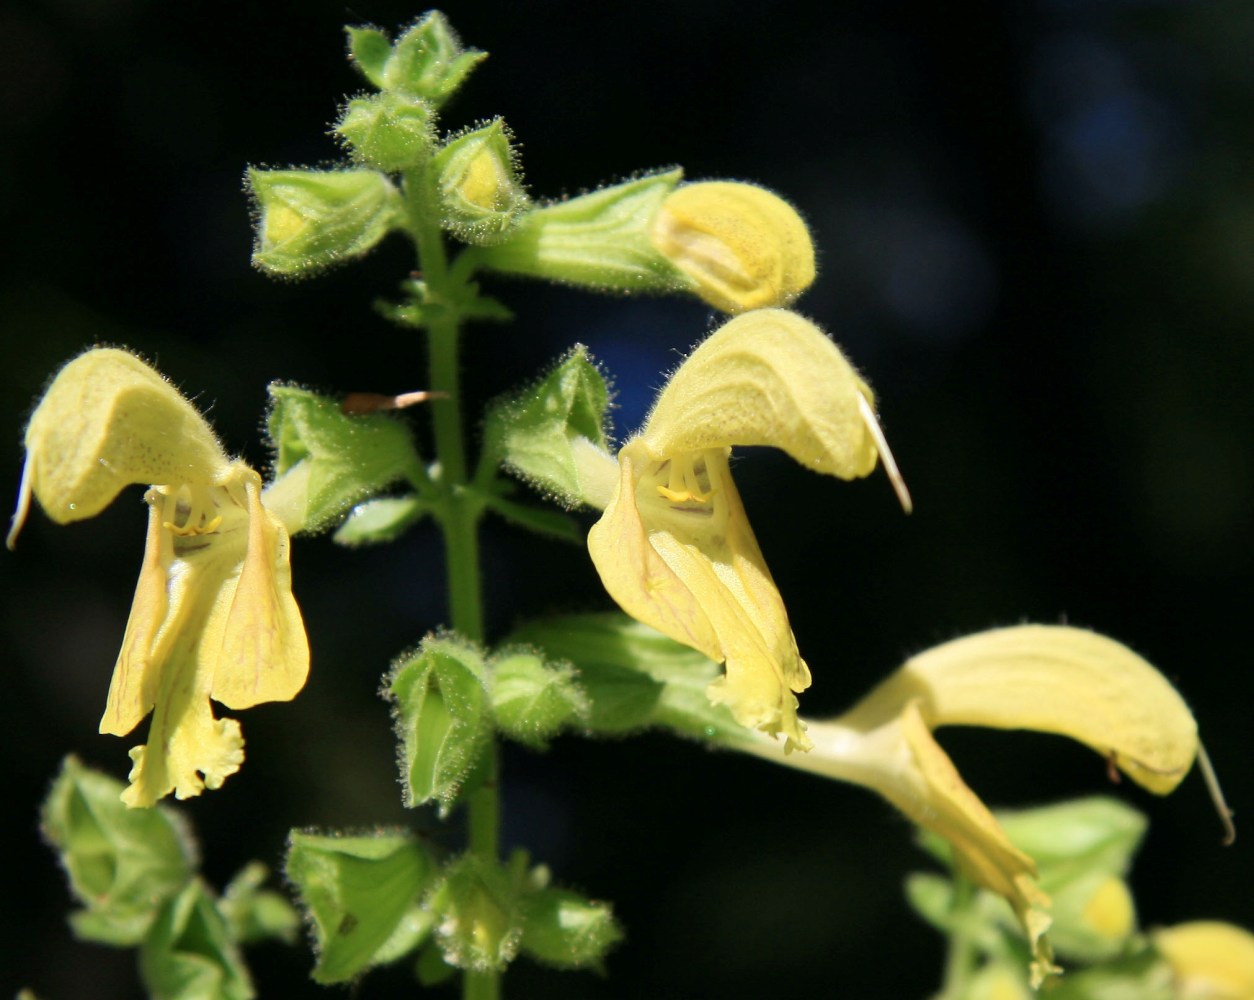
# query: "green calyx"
480,185
308,220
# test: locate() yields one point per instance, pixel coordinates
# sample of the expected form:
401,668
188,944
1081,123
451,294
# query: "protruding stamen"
23,506
886,454
1216,795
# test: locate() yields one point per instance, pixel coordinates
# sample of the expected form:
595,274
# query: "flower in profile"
736,246
1052,679
674,547
213,615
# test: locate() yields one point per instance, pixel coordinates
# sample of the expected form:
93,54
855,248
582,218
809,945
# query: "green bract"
308,220
427,61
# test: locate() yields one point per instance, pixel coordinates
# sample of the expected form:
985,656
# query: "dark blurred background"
1036,229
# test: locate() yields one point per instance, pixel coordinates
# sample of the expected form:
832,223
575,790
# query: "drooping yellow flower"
739,245
674,547
213,614
1052,679
1209,959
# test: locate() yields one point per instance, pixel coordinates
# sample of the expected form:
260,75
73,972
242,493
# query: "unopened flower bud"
389,131
311,219
739,245
480,186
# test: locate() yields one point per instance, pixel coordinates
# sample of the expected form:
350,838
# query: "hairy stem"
461,509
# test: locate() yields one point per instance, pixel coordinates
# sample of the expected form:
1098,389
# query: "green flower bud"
310,219
389,131
740,246
427,61
479,920
480,185
533,701
443,720
189,951
566,930
553,433
599,240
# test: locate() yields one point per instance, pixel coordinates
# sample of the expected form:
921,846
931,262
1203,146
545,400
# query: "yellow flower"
739,245
213,614
1051,679
1210,960
674,547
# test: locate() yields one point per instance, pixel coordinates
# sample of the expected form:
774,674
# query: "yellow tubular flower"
740,246
1052,679
674,547
213,614
1209,960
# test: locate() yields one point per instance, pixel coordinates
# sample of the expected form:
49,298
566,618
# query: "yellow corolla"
738,245
213,614
1052,679
1209,959
674,547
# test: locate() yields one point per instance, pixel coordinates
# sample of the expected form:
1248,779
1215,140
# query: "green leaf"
533,701
541,520
428,60
122,863
479,920
389,131
189,955
327,461
308,220
564,929
443,720
255,913
369,49
634,676
539,431
383,519
358,893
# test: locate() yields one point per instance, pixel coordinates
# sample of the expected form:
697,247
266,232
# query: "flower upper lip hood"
674,547
213,615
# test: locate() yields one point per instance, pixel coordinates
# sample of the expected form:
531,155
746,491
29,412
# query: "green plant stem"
462,509
960,958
